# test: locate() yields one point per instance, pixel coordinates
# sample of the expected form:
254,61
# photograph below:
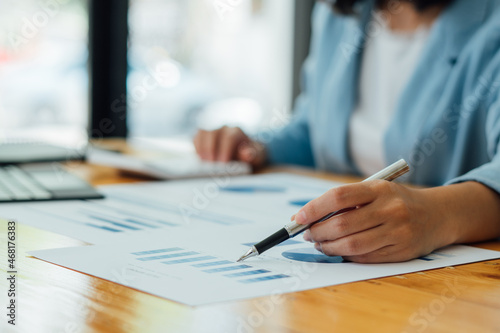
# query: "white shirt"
388,61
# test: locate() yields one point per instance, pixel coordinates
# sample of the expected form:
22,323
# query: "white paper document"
180,239
198,266
267,200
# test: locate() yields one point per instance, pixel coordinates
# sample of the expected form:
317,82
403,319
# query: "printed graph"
125,212
208,264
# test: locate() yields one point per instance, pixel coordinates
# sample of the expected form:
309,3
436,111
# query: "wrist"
441,216
468,212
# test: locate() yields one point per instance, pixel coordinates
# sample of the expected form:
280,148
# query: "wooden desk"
464,298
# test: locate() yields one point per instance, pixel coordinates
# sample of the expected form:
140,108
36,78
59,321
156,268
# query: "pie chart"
299,202
310,254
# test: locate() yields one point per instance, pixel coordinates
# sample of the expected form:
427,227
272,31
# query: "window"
207,63
43,69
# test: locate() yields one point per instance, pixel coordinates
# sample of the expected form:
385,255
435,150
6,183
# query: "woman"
385,80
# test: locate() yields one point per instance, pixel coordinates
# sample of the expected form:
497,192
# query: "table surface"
464,298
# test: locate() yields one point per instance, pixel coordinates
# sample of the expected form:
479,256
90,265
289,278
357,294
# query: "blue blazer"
447,120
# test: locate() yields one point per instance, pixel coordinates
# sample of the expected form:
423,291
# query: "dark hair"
347,6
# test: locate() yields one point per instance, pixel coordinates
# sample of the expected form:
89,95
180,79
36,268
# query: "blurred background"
147,68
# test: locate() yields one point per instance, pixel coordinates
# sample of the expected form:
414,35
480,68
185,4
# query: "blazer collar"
455,25
459,22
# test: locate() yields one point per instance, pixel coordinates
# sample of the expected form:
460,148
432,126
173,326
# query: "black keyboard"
37,182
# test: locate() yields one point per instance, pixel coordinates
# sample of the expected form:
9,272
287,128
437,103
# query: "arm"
291,145
470,209
395,223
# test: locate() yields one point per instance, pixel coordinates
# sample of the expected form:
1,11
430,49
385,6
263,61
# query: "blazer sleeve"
291,144
489,173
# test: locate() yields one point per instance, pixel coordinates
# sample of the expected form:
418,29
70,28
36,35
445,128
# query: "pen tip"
250,253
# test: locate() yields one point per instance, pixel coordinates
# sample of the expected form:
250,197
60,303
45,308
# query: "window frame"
108,42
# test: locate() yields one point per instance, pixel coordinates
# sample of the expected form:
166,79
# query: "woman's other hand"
227,144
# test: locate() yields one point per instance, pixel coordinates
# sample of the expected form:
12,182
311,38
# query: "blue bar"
124,225
141,223
259,271
214,263
265,278
166,223
113,222
299,203
425,259
253,189
103,227
180,261
157,251
166,256
225,269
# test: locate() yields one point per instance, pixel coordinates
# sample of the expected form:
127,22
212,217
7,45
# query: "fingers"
335,199
205,143
229,140
252,152
247,152
381,228
390,253
384,254
197,143
209,145
343,225
356,244
219,145
229,143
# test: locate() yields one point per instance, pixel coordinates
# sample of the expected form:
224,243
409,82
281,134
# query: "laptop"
27,175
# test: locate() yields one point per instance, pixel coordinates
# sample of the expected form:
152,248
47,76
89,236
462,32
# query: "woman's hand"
229,143
389,223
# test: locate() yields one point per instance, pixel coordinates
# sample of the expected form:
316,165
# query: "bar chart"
208,264
125,212
174,208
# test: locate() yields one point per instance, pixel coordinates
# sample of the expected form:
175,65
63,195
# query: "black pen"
292,229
